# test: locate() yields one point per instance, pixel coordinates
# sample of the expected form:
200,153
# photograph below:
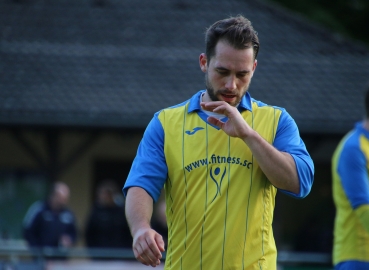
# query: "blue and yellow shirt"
219,202
350,166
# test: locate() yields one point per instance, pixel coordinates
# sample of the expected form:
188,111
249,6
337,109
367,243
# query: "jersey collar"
194,105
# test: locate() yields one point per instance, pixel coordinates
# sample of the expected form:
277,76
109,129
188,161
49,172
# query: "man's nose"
231,83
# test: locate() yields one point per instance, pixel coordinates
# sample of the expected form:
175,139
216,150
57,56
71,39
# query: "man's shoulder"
171,109
178,106
350,145
352,138
271,112
34,210
258,104
38,206
193,103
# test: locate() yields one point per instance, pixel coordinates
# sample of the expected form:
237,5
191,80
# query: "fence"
13,257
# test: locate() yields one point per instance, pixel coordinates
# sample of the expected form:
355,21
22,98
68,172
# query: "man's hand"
147,246
147,243
65,241
279,167
236,126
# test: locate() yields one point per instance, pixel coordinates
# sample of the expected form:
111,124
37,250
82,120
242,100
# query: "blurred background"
80,80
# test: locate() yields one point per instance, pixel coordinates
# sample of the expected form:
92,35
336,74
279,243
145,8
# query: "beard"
213,94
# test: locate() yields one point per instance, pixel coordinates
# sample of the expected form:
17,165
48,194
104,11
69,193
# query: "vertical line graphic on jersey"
218,184
248,200
168,196
184,172
226,212
206,195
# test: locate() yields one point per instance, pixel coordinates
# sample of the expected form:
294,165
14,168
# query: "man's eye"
241,75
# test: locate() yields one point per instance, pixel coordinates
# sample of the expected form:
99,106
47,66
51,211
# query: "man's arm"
30,224
69,238
355,181
279,167
147,243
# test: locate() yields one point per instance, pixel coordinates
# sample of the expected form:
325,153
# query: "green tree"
347,17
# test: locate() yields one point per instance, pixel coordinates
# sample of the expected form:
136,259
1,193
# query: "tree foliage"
347,17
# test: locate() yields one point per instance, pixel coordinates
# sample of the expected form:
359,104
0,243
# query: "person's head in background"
107,192
59,196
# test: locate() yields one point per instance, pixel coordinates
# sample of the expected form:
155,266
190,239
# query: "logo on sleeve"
194,130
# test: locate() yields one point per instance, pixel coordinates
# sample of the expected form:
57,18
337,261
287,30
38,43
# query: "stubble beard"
210,89
213,96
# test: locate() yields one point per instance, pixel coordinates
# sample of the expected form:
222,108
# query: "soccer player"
221,156
350,166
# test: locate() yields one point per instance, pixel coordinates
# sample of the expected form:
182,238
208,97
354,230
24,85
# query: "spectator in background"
107,226
350,165
51,223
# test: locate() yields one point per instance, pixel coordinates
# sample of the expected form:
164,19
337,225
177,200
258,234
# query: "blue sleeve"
288,140
354,175
31,233
149,169
31,223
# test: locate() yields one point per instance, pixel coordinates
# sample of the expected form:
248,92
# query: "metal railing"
14,254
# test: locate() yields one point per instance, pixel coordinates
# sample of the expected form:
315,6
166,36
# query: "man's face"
60,198
228,74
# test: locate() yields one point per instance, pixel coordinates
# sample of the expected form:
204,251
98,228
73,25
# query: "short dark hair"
367,103
237,31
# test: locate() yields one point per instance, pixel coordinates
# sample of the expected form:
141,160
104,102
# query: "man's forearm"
139,209
279,167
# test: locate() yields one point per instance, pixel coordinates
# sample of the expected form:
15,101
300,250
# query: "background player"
350,166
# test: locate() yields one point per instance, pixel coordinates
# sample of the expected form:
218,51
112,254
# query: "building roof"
113,63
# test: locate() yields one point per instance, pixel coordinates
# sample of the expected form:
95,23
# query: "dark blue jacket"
44,227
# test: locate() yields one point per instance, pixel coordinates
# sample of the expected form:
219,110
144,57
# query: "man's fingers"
218,107
147,252
214,121
160,242
153,248
140,258
147,247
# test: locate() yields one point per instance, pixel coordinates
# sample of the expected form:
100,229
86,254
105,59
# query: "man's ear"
255,64
254,67
203,61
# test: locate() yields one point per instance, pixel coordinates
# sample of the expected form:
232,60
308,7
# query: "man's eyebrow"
226,69
221,68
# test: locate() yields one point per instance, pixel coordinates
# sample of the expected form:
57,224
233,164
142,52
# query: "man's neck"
205,97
